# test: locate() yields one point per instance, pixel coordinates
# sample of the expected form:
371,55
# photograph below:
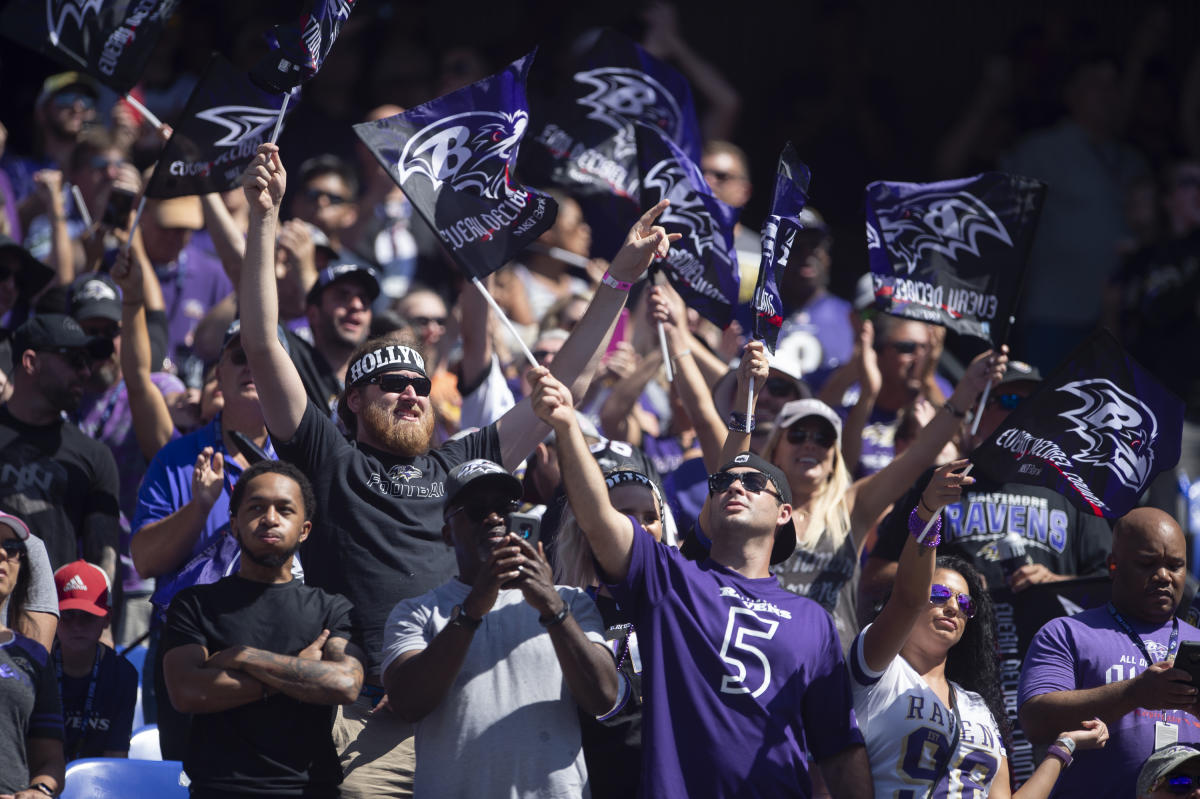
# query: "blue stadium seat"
144,745
115,778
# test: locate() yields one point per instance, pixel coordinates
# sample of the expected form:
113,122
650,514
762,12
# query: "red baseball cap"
82,586
16,525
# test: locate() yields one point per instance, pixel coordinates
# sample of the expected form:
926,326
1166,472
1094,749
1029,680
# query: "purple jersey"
743,682
1089,650
821,335
191,286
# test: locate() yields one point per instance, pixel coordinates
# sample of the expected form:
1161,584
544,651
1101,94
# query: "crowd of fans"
274,436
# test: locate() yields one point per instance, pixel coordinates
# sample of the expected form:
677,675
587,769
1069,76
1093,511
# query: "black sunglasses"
13,548
76,359
754,482
721,176
940,595
100,163
781,387
480,509
393,383
68,99
426,321
1180,784
334,199
800,435
906,347
105,331
1009,402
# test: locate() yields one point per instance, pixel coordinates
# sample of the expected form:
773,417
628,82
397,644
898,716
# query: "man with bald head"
1115,662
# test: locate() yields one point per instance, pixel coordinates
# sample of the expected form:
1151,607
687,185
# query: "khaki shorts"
376,751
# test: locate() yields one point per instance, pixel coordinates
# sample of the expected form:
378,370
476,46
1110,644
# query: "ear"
29,359
312,313
785,514
305,529
354,399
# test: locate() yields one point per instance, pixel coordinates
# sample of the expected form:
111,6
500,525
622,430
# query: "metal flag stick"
279,122
144,111
503,318
81,206
934,517
136,218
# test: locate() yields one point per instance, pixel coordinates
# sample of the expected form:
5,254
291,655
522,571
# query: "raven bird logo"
617,95
240,121
472,151
59,11
686,209
405,472
1117,429
941,222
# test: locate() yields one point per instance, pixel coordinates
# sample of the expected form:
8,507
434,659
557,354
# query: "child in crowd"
98,686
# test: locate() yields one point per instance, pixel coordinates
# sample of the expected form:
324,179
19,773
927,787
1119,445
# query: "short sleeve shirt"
29,707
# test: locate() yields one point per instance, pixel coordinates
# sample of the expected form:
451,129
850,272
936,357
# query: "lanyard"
75,741
1172,645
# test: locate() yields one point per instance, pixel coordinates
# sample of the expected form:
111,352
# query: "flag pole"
144,111
81,206
504,318
662,334
934,518
988,388
279,122
136,218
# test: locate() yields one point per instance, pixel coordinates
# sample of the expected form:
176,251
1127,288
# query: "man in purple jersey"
743,683
1115,662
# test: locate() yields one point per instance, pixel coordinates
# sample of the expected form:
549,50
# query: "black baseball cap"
96,296
333,273
235,331
32,275
52,331
785,536
1019,371
480,474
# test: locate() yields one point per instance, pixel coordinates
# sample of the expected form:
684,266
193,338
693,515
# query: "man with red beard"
378,539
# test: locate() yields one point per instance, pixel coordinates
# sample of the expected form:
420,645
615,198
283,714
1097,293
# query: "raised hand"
536,580
643,243
945,487
1162,686
551,399
866,360
265,180
754,366
208,477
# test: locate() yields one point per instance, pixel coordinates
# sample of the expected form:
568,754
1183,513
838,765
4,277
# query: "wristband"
40,786
1067,743
557,618
954,411
613,283
928,509
1054,750
916,524
683,354
460,618
741,422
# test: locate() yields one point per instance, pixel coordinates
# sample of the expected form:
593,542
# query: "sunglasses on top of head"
394,383
940,595
754,482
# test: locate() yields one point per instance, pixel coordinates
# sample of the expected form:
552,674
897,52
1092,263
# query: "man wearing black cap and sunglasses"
379,540
61,482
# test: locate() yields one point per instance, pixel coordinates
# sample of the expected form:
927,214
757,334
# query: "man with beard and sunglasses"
1012,533
258,657
379,538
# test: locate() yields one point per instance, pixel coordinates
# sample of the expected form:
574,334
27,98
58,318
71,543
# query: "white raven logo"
686,209
941,222
241,122
619,95
59,11
1117,428
472,151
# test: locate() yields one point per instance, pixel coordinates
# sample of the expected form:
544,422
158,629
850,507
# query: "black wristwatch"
557,618
460,618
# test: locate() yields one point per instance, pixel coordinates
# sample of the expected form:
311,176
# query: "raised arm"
870,382
328,671
609,532
227,239
162,546
519,429
618,418
281,391
910,593
870,495
48,184
754,367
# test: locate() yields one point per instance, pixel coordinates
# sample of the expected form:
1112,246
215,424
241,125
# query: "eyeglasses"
1009,402
480,509
754,482
76,359
907,347
720,176
14,548
393,383
100,163
801,435
940,595
68,99
1179,784
315,196
781,387
426,321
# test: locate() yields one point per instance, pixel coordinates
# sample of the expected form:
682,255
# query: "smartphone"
529,527
620,331
1188,659
116,212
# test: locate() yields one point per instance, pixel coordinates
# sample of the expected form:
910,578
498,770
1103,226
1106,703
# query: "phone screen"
116,212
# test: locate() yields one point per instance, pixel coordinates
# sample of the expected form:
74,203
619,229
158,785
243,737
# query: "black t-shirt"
280,746
110,720
377,532
612,743
320,383
29,706
1055,533
60,482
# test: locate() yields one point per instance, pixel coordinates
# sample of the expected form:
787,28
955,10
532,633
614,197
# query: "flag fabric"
953,253
299,49
1097,431
454,156
702,265
226,117
111,41
778,232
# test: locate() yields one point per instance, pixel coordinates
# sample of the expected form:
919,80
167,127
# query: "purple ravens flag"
453,158
702,265
109,40
778,232
953,253
298,50
224,121
1098,431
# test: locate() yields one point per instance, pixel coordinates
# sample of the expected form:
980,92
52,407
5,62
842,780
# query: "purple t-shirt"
191,286
743,682
821,335
1089,650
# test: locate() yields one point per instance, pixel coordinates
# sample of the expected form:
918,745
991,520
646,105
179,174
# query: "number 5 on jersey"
735,644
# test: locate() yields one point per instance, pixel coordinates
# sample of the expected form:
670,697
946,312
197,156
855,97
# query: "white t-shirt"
909,732
508,726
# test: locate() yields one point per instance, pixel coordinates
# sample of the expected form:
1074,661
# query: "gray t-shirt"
43,597
509,719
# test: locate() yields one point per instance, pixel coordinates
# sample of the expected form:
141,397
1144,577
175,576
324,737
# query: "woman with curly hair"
926,680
